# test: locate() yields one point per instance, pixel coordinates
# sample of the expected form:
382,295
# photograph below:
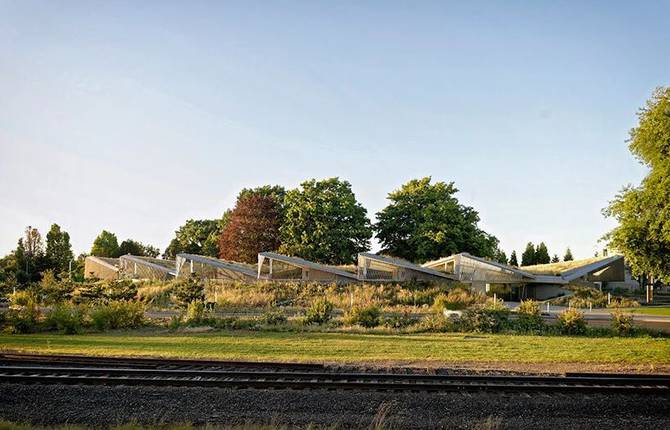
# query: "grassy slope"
345,347
558,268
652,311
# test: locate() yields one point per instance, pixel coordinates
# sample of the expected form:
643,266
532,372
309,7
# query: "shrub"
189,290
24,312
400,321
319,312
571,321
273,318
458,298
195,312
622,324
369,316
486,319
529,318
436,323
54,290
66,318
115,315
623,302
120,289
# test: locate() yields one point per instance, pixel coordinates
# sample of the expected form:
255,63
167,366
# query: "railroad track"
35,369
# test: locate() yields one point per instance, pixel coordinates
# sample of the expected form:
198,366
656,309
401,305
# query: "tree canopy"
58,250
513,260
528,256
568,255
542,254
197,237
425,221
130,246
323,222
643,212
253,227
105,245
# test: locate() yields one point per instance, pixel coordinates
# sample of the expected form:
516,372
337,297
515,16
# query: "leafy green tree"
513,260
277,192
555,259
323,222
542,254
29,257
105,245
130,246
643,212
425,221
568,255
58,250
528,256
197,237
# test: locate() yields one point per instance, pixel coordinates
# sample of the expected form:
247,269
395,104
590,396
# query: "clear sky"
135,116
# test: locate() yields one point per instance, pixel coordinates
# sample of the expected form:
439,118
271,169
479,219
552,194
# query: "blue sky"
135,116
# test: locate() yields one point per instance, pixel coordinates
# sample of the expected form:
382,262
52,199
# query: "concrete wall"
94,269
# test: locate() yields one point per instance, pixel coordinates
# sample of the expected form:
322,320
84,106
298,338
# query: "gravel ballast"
104,406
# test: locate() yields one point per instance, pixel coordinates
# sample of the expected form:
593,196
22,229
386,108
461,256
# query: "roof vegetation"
556,269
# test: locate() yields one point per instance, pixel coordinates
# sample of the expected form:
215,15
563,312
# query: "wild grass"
558,268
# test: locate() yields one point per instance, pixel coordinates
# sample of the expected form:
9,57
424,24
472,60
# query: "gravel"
104,406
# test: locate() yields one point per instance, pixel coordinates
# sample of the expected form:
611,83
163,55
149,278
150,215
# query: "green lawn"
652,311
351,347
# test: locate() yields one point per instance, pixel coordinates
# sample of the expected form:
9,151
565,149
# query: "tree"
105,245
500,256
134,247
643,212
528,256
30,256
512,260
58,251
253,227
197,237
425,221
568,255
277,192
324,222
555,259
542,254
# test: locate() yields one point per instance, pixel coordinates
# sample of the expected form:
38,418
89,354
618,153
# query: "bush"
116,315
195,313
623,302
400,321
486,319
369,316
437,323
68,319
571,321
54,290
459,298
273,318
622,324
189,290
319,312
121,289
24,312
529,318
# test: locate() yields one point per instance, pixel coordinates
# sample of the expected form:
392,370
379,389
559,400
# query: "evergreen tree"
501,257
555,259
512,260
58,251
568,255
528,256
542,254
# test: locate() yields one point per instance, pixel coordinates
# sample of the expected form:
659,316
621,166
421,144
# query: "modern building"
188,265
538,282
373,267
273,266
135,267
101,268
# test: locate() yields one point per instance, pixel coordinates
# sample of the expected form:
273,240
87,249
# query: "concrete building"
373,267
101,268
188,265
273,266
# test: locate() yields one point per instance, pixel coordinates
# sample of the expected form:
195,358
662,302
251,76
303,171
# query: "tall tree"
500,256
513,260
528,256
105,245
425,221
568,255
555,259
58,251
277,192
197,237
253,227
133,247
643,212
542,254
324,222
29,256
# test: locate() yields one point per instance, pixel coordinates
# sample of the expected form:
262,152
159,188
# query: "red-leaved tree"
253,227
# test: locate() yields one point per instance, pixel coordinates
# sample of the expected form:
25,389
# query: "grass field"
352,348
664,311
